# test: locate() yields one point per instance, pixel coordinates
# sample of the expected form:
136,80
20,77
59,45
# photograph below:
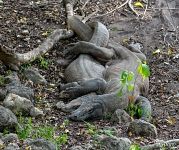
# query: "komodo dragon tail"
94,32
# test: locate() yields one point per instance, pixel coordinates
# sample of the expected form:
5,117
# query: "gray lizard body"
97,68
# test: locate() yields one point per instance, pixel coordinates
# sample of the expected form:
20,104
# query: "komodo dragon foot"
97,106
76,89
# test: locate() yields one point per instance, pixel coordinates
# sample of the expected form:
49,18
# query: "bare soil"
153,31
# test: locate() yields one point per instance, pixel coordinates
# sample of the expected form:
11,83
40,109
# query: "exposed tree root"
162,144
14,60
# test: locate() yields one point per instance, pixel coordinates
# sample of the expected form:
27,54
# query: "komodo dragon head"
87,111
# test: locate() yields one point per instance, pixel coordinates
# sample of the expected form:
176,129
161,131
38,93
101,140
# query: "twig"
89,16
87,1
118,7
174,27
161,144
145,10
132,8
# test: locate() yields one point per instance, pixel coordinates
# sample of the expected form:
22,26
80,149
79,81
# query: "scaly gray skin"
86,74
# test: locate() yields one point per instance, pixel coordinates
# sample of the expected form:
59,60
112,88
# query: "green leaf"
119,94
130,87
138,4
156,51
124,77
143,70
130,76
135,147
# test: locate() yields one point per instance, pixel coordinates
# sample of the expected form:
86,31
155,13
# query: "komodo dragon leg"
96,106
100,53
76,89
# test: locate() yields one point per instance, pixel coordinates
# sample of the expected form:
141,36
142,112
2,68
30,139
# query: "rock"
21,90
114,143
14,86
21,105
60,105
35,112
7,118
13,77
34,75
12,146
2,94
136,46
25,32
1,135
121,116
10,138
1,144
142,128
40,144
18,104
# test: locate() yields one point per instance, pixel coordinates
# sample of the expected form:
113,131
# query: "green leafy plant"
26,129
91,129
95,132
127,82
144,70
43,62
2,80
134,147
25,66
134,110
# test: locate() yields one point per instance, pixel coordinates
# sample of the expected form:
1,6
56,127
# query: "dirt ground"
155,29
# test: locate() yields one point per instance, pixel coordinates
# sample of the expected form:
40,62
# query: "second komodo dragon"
97,69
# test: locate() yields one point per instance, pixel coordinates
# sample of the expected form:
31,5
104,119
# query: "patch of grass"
95,132
134,147
44,63
27,129
134,110
2,80
25,66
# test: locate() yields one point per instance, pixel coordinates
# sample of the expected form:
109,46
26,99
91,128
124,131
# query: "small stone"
114,143
40,144
12,146
3,93
121,116
7,118
10,138
1,144
25,32
34,75
142,128
21,90
18,104
60,105
35,112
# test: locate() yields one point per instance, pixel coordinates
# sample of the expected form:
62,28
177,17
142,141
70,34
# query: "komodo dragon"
97,69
